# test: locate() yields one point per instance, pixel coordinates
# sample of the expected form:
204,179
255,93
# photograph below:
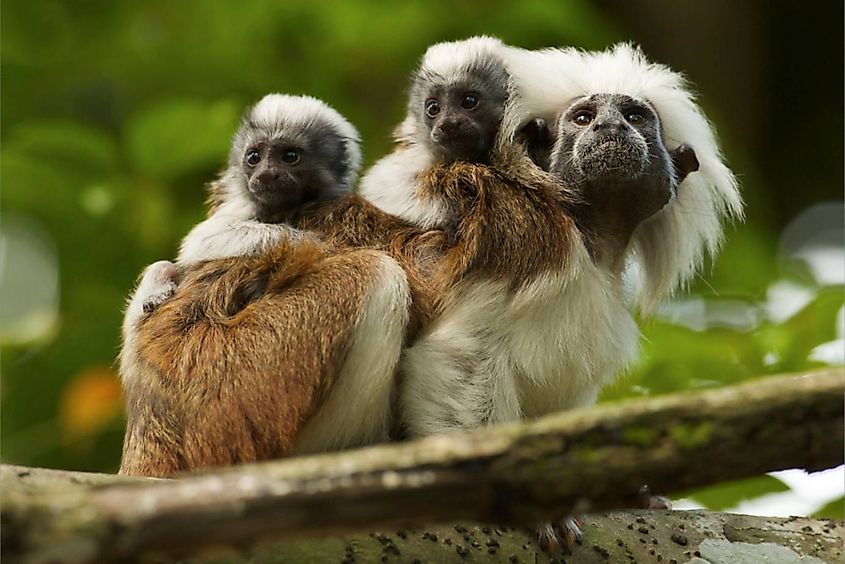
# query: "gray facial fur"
609,149
457,133
277,187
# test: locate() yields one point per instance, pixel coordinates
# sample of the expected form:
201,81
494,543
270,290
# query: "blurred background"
115,115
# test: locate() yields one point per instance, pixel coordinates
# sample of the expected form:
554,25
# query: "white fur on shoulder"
232,231
670,247
391,184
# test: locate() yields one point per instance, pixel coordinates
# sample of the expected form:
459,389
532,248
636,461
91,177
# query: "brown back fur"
231,380
247,349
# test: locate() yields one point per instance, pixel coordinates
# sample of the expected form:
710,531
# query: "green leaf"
179,137
833,510
729,494
82,148
812,326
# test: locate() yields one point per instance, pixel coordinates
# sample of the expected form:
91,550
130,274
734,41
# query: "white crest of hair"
285,111
669,247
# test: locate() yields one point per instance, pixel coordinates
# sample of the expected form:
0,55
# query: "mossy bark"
577,462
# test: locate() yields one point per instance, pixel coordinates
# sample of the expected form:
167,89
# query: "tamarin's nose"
609,125
269,176
450,126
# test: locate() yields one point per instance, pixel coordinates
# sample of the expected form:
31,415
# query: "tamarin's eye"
470,101
291,156
432,108
583,117
253,157
635,117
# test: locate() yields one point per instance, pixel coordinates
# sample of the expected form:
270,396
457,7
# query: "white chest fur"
496,355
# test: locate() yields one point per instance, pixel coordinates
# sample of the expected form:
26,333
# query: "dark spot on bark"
679,539
643,530
603,551
513,559
462,551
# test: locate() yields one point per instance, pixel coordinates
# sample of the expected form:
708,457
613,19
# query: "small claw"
564,535
547,538
572,534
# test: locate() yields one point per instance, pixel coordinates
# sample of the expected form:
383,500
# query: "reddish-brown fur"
236,361
512,220
230,380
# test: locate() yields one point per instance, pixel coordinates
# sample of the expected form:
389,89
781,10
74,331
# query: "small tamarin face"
289,151
610,146
462,114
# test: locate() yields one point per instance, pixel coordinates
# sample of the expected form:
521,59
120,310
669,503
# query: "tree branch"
573,462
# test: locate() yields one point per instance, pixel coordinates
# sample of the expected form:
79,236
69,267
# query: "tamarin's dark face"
288,167
609,146
462,114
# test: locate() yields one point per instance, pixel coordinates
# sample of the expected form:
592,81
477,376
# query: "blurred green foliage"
115,115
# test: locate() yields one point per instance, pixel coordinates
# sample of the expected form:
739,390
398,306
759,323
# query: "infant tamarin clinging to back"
252,344
288,152
455,107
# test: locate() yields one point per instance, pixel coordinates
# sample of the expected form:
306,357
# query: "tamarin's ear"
536,133
684,160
